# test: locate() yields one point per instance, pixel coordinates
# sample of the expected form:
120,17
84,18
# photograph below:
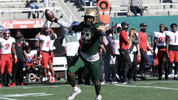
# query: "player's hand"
128,10
151,51
168,55
15,59
101,28
139,55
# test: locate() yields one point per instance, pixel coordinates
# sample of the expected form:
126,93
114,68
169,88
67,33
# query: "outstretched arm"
67,25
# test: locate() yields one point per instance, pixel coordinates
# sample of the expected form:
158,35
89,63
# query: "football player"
45,49
160,40
172,49
7,44
32,55
89,56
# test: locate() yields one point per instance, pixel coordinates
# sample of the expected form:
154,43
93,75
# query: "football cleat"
98,97
74,93
52,81
0,85
13,84
23,84
9,85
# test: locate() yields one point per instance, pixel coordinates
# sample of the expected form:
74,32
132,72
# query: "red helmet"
6,34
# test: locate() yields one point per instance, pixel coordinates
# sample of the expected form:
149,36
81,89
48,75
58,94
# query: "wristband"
15,56
13,49
167,52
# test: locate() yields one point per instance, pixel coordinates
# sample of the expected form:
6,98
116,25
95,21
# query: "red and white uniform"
30,56
161,41
6,57
45,50
52,48
173,46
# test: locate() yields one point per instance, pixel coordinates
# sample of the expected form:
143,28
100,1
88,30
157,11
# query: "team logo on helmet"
91,14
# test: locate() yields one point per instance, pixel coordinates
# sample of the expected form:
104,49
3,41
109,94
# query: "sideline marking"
166,88
8,96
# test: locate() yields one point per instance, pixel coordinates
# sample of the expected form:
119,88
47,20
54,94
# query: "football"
49,15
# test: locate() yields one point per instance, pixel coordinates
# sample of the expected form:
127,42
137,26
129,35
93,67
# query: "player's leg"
9,68
27,70
14,73
50,61
171,58
45,64
93,69
20,71
2,68
176,65
73,67
161,55
144,61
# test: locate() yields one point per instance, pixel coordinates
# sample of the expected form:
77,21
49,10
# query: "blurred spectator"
90,1
134,50
133,6
1,30
107,57
166,29
45,1
115,41
33,4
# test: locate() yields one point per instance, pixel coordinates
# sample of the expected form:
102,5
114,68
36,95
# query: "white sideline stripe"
26,94
165,88
32,86
22,95
6,98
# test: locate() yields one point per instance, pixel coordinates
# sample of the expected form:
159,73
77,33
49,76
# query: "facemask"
143,30
119,30
45,33
71,32
125,29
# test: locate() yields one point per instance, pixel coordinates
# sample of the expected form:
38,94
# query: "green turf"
150,89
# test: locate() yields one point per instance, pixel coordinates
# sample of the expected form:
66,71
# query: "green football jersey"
90,39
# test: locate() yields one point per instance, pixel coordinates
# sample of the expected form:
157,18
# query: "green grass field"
150,89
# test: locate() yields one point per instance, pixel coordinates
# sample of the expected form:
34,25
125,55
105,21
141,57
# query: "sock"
46,78
75,88
98,89
49,73
52,77
72,80
43,79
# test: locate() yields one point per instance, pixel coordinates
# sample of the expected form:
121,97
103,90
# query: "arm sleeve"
105,41
64,42
41,37
155,35
78,35
13,40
